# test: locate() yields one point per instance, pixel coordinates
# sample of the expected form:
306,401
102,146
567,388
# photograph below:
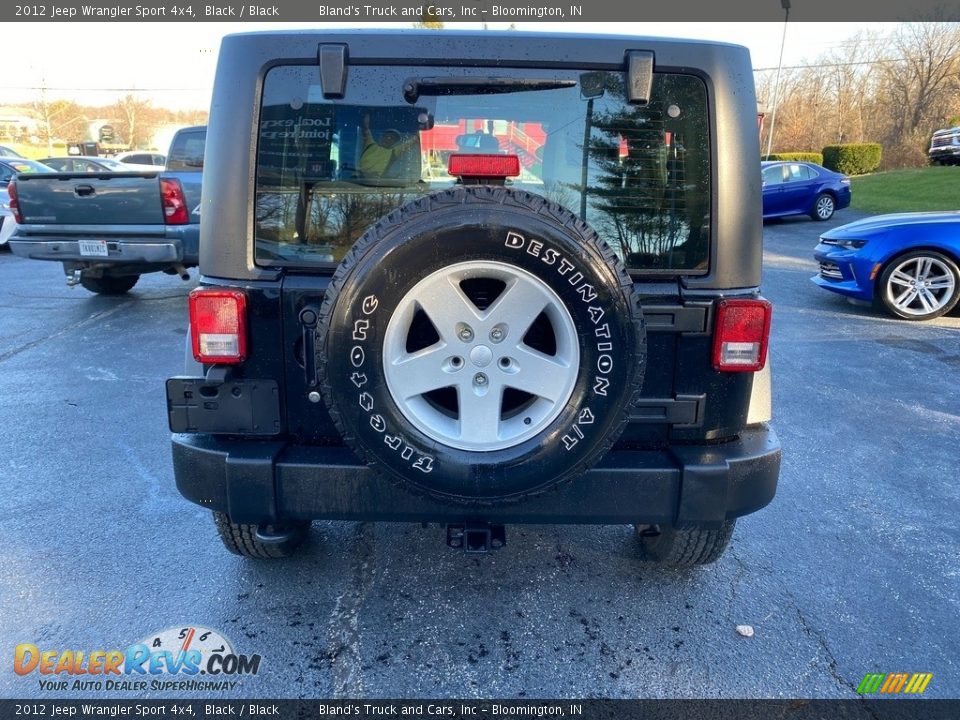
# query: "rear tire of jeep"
683,547
109,284
480,345
241,538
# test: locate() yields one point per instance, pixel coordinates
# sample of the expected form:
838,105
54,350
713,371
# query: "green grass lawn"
915,190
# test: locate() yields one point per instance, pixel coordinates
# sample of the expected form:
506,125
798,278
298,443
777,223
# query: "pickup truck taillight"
218,325
741,333
173,201
13,203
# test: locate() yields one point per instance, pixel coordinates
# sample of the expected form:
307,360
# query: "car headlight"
851,244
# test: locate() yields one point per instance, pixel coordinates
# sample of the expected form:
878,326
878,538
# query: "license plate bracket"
248,407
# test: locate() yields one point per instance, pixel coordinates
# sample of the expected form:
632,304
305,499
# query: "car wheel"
920,285
823,207
683,547
480,345
250,541
109,284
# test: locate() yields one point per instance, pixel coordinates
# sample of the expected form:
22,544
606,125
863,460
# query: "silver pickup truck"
109,228
945,147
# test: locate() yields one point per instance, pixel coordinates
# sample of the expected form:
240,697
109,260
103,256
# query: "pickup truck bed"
109,228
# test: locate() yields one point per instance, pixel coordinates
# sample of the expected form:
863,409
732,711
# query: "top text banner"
482,11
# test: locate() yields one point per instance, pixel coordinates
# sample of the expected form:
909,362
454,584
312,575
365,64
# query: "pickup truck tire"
683,547
241,539
109,284
480,345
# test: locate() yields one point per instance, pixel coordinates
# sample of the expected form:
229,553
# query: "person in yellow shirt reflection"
381,156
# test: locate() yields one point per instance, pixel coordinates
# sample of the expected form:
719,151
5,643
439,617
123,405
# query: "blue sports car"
908,262
802,188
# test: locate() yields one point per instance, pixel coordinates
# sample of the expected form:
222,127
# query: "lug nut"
496,334
480,379
466,334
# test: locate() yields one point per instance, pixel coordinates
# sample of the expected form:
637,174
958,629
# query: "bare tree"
136,119
429,20
889,89
58,120
920,92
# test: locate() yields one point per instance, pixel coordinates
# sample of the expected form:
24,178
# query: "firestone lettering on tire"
360,328
417,460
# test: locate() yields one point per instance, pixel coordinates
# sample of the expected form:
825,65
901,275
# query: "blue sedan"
801,188
909,262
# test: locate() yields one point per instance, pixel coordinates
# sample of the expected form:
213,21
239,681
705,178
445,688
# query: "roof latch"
333,70
639,76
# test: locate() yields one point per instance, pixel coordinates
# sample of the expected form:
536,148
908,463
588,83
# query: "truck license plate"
93,248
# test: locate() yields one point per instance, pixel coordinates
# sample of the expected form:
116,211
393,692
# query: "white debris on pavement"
745,630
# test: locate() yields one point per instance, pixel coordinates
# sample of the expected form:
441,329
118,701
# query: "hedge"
857,159
798,156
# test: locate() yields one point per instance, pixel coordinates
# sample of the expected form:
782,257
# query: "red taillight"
13,203
740,335
477,166
173,202
218,325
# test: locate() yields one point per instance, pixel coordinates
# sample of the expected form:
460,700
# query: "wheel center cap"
481,356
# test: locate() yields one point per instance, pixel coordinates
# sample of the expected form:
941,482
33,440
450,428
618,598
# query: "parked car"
86,163
802,188
945,147
9,152
109,228
907,262
140,160
368,344
9,167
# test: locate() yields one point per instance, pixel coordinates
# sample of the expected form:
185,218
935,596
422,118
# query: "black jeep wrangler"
477,279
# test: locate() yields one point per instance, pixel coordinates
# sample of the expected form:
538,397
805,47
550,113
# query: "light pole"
785,4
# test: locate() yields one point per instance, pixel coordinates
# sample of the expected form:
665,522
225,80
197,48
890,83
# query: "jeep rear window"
329,169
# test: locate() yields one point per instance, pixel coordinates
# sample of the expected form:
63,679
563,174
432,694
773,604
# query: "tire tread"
241,539
109,284
686,547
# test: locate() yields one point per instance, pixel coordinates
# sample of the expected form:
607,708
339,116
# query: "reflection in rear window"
328,169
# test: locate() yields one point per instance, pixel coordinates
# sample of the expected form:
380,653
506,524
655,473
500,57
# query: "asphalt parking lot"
854,568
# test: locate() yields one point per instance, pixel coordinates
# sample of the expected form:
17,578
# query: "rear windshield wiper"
432,86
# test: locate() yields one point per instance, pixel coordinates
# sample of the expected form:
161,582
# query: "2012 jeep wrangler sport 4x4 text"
477,279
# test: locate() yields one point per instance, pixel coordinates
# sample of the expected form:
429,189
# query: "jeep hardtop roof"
736,229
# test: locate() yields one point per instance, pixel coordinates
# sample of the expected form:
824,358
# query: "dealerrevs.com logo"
184,658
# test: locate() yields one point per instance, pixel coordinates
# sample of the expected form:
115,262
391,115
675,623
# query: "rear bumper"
121,252
266,481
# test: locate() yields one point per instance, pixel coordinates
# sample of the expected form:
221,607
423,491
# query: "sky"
120,57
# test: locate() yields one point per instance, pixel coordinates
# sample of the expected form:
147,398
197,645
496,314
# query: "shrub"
813,157
858,159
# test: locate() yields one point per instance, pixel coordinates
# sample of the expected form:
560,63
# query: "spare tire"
480,345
